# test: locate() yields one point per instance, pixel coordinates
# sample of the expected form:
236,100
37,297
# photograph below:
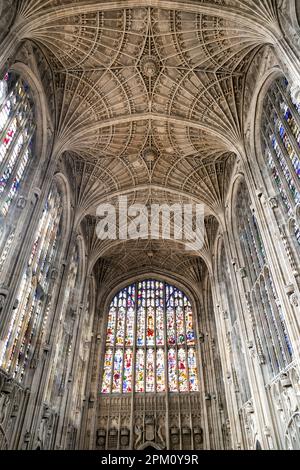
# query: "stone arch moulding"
64,188
57,13
237,181
113,289
153,445
83,212
40,107
257,108
66,144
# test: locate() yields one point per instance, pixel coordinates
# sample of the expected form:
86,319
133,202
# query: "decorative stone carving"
101,438
273,203
2,301
22,201
150,66
294,300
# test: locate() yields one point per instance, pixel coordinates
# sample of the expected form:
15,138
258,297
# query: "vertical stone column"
261,412
221,316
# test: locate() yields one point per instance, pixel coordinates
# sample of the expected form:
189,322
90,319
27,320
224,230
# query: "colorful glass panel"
182,370
172,370
140,371
160,370
193,372
137,329
127,379
17,130
117,375
150,364
108,363
33,290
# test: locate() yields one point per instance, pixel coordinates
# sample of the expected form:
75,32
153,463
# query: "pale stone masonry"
164,102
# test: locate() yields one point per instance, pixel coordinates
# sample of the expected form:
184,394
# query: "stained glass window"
33,290
17,129
271,327
150,341
281,139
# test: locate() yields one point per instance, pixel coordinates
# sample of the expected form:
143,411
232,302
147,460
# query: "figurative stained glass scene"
150,341
29,314
17,128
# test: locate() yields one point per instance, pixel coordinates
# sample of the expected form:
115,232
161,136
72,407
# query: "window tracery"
156,352
281,138
271,326
17,129
27,317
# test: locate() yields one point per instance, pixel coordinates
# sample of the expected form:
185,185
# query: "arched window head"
150,341
28,319
17,130
281,140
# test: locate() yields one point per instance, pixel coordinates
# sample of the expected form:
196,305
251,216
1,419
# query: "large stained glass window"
281,138
17,129
150,341
272,334
27,318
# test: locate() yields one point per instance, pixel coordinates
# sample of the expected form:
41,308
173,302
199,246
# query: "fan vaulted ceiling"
148,94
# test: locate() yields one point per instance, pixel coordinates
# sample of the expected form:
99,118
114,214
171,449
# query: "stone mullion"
15,171
87,384
31,219
52,336
270,323
25,322
226,364
80,318
212,333
167,403
282,176
288,132
6,128
264,332
289,103
145,341
12,147
257,244
134,349
217,434
38,374
254,369
66,401
287,159
252,266
208,384
155,347
208,365
43,374
185,345
277,320
278,264
200,372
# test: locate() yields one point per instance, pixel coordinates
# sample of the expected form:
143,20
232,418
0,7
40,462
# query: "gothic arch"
111,290
61,182
255,136
40,108
215,10
150,444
